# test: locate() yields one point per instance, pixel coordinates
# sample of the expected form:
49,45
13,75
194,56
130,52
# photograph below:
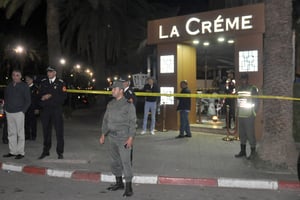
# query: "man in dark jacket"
52,96
184,107
30,116
129,93
16,102
150,105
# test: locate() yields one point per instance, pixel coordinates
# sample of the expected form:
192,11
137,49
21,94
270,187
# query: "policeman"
52,96
131,98
119,124
129,93
30,117
230,102
246,113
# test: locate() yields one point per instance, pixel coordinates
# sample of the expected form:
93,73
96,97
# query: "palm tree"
277,145
52,20
105,31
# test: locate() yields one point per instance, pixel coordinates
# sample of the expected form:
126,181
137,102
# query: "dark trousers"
30,125
247,130
184,123
231,104
49,117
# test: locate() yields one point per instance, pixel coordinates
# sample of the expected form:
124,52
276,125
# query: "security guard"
30,115
230,102
246,113
119,124
129,93
52,96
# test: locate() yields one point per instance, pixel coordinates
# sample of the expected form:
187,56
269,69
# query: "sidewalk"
205,159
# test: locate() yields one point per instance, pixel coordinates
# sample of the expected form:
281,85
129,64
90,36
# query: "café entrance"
201,48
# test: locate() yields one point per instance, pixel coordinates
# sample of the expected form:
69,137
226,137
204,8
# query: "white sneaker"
152,133
143,132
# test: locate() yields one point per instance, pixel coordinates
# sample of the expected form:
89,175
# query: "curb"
97,177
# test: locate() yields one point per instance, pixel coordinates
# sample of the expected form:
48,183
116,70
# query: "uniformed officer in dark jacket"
129,93
184,107
30,115
119,124
52,96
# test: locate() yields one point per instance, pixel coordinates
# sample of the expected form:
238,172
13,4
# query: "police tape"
201,95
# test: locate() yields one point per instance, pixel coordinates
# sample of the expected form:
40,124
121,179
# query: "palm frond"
28,9
13,6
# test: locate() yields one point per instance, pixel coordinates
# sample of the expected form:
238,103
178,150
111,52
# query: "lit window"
248,61
168,100
167,64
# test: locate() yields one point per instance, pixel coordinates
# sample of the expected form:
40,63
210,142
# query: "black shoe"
9,155
5,141
19,156
187,136
240,155
128,190
119,185
43,155
60,156
179,136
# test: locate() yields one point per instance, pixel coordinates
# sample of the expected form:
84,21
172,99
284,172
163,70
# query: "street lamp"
77,66
62,61
19,49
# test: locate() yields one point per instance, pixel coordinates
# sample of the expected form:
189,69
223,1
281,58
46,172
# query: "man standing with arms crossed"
119,124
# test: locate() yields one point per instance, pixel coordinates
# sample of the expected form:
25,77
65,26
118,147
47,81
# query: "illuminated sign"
167,100
248,61
167,64
231,21
195,26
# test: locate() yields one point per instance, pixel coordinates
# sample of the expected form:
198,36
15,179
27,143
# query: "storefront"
176,51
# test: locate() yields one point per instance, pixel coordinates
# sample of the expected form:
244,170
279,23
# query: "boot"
128,190
118,186
252,154
242,152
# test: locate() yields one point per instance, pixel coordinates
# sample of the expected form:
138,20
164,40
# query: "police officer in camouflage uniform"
119,125
246,116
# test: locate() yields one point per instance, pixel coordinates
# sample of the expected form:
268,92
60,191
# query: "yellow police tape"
209,96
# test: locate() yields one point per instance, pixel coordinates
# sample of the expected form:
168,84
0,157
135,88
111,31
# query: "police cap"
51,68
118,84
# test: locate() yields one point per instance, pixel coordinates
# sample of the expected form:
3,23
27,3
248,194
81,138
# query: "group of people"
119,121
22,101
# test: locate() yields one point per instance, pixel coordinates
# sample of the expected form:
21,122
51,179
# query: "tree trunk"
53,34
277,145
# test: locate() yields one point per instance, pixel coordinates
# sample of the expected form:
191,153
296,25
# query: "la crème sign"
195,26
232,21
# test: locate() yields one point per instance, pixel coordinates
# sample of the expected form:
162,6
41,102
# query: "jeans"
184,123
149,106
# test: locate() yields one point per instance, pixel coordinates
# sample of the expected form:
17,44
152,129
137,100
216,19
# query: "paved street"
204,156
19,186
